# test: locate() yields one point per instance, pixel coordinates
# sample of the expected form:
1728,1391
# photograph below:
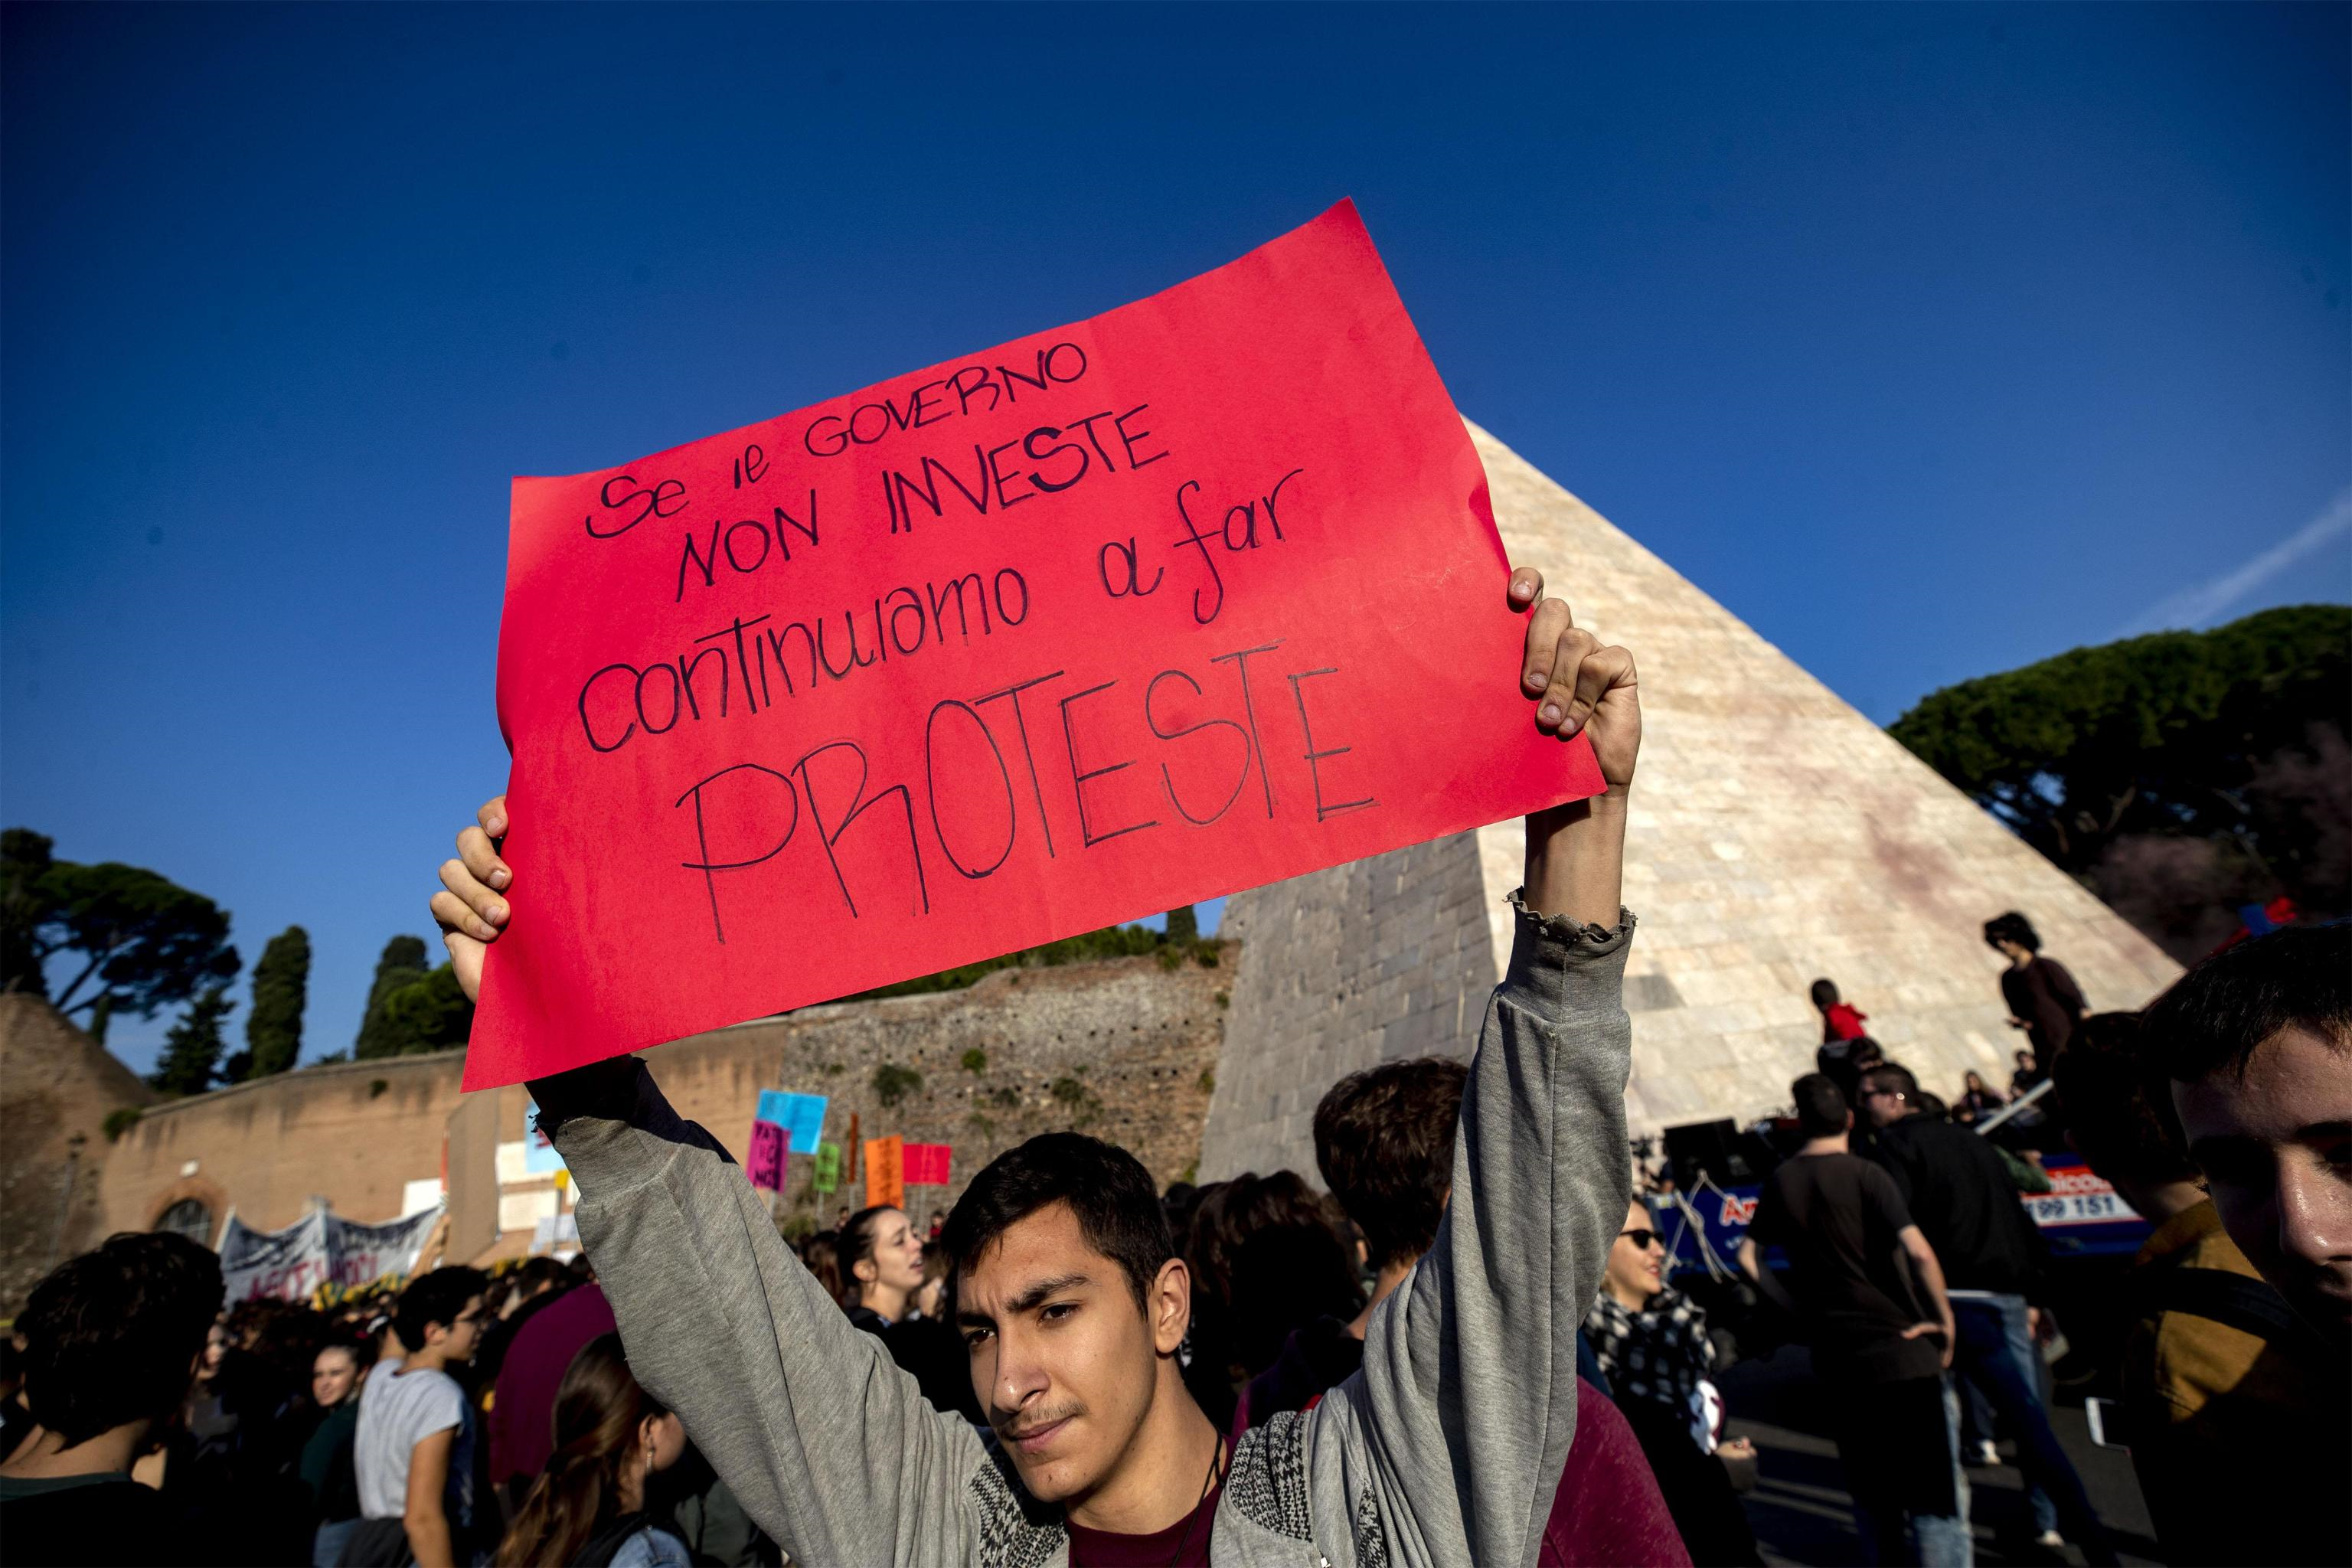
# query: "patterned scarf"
1657,1354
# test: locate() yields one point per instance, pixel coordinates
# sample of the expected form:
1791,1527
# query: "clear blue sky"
1930,340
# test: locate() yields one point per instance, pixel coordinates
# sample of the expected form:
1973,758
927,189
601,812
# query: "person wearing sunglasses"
1651,1340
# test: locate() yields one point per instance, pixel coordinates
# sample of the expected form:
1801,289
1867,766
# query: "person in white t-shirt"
413,1453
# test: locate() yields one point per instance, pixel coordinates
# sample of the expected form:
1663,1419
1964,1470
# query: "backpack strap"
2233,1300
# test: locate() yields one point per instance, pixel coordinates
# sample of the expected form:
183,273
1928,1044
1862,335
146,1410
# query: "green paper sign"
828,1167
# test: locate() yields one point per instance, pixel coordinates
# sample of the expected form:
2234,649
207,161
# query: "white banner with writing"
320,1248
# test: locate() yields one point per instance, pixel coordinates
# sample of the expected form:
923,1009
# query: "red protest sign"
926,1164
1199,594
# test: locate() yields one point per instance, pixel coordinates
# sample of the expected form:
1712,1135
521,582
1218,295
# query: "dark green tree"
25,860
144,941
281,987
192,1048
402,963
2163,749
430,1013
1183,925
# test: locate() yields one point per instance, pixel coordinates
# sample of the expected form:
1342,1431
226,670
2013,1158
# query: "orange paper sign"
885,1184
1200,593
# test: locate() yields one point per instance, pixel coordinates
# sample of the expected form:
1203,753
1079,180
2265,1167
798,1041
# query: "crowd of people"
1458,1343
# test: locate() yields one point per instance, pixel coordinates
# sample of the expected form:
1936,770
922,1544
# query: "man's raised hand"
1576,683
471,907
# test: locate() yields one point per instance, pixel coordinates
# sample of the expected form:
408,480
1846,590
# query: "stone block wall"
1368,962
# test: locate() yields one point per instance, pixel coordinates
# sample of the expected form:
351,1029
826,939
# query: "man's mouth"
1033,1439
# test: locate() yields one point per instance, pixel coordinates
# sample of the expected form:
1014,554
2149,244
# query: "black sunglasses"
1643,1240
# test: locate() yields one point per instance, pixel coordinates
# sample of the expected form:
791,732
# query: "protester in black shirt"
1868,1288
1958,1192
2043,997
112,1341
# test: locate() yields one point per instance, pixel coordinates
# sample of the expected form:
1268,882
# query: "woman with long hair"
1977,1099
589,1507
881,1262
880,1259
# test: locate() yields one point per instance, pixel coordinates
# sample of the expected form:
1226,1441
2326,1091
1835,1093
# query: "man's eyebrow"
1035,1295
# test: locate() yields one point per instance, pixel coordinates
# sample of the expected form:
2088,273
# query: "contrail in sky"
2192,607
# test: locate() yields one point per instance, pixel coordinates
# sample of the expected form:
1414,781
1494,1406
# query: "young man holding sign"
1446,1448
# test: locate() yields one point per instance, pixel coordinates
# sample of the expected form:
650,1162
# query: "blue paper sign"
801,1116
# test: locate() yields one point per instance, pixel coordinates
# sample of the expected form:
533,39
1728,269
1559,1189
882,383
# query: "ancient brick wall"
1122,1048
57,1086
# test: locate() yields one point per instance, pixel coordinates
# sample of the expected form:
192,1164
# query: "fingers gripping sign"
470,908
1579,686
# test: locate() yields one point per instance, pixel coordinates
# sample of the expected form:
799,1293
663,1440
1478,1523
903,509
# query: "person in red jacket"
1841,1020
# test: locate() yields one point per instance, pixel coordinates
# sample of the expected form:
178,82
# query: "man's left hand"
1577,684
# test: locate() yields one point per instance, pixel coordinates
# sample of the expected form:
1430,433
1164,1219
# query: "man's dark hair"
534,1275
2012,927
112,1336
435,1298
1894,1076
1825,993
1384,1142
2217,1014
1265,1259
1821,1109
2118,1111
1107,1189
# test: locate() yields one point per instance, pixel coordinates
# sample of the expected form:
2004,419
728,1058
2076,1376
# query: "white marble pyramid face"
1779,835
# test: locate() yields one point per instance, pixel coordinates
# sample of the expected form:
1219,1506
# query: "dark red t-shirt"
1184,1544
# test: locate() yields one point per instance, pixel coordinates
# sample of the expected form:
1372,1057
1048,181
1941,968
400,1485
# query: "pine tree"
1183,925
282,985
192,1049
403,964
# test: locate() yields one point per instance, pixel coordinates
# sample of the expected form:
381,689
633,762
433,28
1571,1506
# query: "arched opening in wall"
188,1217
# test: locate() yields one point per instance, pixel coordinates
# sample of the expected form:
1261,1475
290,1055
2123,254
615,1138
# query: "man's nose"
1020,1375
2314,1209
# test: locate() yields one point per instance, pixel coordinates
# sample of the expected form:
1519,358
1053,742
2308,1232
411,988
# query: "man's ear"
1168,1305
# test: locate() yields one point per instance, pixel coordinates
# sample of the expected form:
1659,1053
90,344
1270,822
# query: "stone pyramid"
1777,835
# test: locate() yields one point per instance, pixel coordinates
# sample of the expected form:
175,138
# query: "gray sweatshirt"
1446,1448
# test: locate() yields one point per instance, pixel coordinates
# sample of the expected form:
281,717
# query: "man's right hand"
471,907
1943,1332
